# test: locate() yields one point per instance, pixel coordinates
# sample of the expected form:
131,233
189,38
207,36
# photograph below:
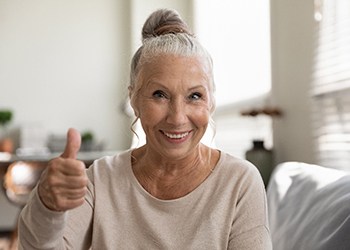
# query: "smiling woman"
159,193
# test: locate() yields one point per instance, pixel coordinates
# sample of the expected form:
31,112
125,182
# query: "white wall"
64,64
292,28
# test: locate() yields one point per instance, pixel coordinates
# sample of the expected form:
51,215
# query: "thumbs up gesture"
62,185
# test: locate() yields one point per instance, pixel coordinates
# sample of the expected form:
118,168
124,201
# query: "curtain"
330,88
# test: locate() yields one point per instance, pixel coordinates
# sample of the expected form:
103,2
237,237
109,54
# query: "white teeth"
176,136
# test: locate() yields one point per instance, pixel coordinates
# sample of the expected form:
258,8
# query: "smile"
176,136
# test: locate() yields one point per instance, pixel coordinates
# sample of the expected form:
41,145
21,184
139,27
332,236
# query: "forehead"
175,67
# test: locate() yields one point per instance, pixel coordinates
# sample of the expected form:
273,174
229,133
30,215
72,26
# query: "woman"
172,193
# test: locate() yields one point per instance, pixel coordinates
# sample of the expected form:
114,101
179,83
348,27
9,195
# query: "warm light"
22,174
318,4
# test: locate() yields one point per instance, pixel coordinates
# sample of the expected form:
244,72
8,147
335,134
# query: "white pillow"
309,207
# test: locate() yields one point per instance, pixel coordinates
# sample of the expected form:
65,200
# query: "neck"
157,162
171,178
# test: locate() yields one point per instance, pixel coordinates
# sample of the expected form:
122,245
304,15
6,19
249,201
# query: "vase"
262,158
6,145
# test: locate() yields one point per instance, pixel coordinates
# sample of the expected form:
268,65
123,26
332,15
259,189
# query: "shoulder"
239,176
247,187
110,165
237,167
118,157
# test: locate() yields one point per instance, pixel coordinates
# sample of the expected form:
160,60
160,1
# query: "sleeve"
41,228
250,229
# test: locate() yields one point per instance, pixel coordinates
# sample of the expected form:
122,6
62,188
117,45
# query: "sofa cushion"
309,207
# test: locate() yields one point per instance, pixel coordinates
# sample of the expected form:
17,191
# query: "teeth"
176,136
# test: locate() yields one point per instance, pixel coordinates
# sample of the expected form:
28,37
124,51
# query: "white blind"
331,84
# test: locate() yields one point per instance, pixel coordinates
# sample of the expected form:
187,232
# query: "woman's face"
174,104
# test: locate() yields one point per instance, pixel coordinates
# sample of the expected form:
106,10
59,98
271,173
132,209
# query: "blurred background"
281,70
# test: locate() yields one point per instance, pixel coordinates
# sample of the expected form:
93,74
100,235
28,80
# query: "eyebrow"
198,87
165,87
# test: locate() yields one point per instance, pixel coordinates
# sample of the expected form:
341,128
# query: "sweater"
226,211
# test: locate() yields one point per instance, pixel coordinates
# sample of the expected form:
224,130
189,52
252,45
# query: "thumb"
72,145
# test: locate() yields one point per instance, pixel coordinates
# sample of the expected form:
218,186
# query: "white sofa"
309,207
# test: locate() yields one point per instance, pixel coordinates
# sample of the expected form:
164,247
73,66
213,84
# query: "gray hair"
165,33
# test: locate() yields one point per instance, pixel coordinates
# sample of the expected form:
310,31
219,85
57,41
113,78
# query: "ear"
136,113
132,101
134,107
212,105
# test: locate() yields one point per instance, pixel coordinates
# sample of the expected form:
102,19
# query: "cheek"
200,116
150,112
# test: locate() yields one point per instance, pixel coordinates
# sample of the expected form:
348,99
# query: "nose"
177,114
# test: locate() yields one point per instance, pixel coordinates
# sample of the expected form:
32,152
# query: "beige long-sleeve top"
227,211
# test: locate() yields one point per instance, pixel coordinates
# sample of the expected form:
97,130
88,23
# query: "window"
331,84
237,35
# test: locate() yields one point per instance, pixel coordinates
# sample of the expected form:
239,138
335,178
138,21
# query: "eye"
195,96
159,94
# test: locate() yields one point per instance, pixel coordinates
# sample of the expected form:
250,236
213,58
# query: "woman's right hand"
63,183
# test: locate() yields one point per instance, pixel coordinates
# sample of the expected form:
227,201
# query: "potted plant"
87,141
6,143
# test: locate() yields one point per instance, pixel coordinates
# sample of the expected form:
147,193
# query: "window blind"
331,84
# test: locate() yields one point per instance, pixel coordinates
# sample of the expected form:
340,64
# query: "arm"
42,228
58,215
250,227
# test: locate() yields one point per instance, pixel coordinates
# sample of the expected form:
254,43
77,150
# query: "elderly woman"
172,193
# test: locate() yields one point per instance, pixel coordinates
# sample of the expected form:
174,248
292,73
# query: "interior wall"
292,29
64,64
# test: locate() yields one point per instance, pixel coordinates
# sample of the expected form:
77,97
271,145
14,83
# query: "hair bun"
163,22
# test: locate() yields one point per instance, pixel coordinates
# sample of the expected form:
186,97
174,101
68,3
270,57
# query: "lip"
176,136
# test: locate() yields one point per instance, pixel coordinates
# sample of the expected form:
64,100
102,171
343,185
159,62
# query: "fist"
63,184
